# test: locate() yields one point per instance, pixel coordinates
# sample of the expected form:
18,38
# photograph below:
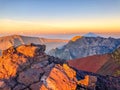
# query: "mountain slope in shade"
86,46
27,67
107,64
16,40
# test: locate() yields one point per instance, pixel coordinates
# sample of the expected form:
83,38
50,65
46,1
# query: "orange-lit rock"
30,50
75,38
23,67
43,87
14,60
85,81
69,71
61,78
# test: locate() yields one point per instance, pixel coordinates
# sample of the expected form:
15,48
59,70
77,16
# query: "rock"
19,87
2,84
96,82
31,50
43,88
11,50
49,67
38,71
36,86
29,77
85,81
58,79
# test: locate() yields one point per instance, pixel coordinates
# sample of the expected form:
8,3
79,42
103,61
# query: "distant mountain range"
16,40
82,46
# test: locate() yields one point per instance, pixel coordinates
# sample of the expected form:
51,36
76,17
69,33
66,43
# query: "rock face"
60,78
27,67
24,65
86,46
91,81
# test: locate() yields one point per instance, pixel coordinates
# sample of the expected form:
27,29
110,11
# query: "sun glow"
60,26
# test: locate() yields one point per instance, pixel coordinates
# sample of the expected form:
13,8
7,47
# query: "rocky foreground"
27,67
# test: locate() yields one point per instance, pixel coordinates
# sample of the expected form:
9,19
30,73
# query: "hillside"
27,67
86,46
107,64
15,40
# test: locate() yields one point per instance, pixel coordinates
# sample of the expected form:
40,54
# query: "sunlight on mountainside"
76,38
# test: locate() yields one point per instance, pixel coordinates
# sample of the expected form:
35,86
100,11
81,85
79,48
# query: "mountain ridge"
16,40
86,46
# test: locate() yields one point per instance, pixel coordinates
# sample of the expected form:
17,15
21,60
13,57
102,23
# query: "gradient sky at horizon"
59,16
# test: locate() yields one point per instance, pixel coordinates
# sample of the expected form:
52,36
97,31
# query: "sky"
59,16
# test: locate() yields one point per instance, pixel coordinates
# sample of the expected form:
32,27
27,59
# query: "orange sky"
60,26
59,16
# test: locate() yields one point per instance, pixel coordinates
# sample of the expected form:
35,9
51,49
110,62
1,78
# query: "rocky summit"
27,67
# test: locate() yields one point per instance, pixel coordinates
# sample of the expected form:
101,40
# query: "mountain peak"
90,34
75,38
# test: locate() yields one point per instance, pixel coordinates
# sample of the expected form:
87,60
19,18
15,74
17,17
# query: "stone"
36,86
60,80
31,50
29,77
2,84
19,87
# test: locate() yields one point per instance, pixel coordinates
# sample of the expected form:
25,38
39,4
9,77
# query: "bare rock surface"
27,67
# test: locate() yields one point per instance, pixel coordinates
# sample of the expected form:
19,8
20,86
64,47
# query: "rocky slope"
86,46
107,64
27,67
15,40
